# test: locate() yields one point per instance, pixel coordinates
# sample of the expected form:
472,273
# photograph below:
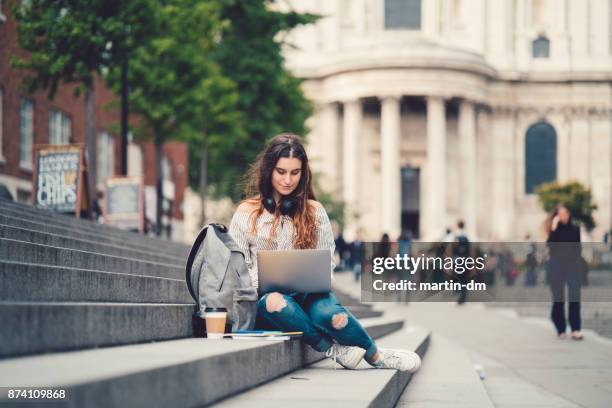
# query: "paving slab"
575,372
446,379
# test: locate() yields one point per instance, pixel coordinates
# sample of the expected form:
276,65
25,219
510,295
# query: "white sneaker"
347,356
403,360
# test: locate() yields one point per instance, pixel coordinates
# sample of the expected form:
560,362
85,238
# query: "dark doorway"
411,177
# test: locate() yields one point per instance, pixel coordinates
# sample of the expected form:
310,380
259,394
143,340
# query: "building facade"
431,111
28,120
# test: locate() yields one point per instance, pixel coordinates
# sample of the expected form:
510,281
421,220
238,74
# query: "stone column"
467,139
350,161
601,170
503,211
389,165
436,167
579,146
430,22
328,146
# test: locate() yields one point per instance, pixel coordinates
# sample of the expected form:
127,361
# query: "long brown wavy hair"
259,185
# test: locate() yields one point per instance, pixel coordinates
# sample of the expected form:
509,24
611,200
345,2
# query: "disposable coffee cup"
215,318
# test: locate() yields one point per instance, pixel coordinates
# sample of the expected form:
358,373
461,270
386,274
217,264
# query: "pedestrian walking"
357,254
462,249
564,268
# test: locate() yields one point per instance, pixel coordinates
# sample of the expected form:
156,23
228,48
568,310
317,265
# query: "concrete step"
37,237
25,252
178,373
42,327
44,283
447,378
347,299
134,243
113,233
362,311
28,212
321,385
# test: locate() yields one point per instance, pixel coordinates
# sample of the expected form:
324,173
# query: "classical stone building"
430,111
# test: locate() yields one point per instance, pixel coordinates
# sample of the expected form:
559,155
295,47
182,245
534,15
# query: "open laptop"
299,270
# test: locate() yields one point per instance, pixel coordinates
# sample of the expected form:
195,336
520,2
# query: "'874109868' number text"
35,393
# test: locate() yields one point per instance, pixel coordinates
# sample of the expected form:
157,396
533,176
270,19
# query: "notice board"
59,178
124,201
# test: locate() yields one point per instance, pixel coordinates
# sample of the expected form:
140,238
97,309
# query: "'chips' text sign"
58,178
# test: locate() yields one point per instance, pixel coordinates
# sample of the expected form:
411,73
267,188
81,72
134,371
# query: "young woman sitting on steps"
280,214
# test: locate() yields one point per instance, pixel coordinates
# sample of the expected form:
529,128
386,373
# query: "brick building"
28,120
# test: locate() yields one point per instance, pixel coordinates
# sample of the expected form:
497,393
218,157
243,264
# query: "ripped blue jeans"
320,316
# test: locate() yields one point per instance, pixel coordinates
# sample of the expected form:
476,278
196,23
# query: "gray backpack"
217,276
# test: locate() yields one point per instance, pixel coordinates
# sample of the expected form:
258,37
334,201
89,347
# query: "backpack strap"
194,251
192,254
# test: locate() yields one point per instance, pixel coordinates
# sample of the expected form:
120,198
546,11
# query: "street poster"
59,178
125,204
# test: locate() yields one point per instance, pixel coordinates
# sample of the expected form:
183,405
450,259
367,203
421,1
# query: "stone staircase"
105,315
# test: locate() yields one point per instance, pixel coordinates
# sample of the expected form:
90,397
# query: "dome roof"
401,53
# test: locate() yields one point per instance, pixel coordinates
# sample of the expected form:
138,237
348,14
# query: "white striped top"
250,243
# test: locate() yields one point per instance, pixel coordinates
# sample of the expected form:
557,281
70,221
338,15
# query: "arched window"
540,156
403,14
540,47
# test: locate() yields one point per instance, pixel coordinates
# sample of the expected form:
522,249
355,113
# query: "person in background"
448,236
357,254
564,269
340,250
462,249
97,207
404,247
404,243
531,262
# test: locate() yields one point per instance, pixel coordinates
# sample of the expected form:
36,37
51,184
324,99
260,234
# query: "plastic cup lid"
215,309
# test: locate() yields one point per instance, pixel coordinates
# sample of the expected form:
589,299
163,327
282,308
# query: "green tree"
175,86
573,194
73,41
271,99
218,122
335,207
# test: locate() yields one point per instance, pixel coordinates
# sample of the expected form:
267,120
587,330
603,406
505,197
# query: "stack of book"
263,335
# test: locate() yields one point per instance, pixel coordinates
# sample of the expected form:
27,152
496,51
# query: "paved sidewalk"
526,365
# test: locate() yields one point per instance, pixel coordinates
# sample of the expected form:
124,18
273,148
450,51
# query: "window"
403,14
26,133
59,128
540,156
540,47
105,158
